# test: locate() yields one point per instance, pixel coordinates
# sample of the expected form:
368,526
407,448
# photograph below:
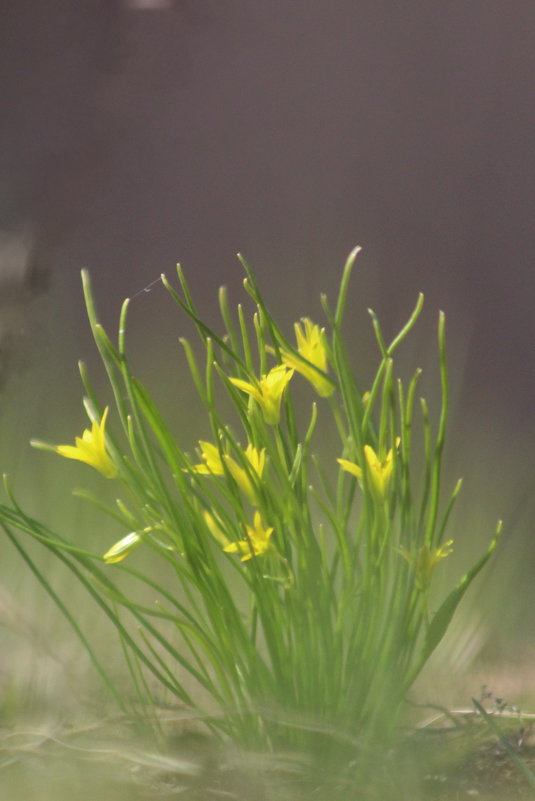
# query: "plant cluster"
293,591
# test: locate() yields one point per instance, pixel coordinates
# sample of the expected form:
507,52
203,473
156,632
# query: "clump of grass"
290,591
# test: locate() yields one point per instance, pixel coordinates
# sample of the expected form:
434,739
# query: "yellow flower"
257,460
213,465
351,467
91,449
122,548
426,561
379,470
215,529
268,391
257,542
311,346
212,460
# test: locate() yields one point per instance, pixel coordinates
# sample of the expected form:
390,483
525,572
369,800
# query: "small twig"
466,713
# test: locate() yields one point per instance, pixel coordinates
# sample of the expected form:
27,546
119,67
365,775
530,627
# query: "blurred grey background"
137,134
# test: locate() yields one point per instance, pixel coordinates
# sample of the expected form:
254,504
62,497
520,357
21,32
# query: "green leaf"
442,618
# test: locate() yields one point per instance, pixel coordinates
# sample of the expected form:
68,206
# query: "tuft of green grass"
281,596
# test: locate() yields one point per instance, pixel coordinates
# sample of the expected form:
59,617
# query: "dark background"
135,135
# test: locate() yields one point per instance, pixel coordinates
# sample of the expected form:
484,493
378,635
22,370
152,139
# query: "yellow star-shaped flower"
257,542
379,470
91,449
268,391
311,346
426,561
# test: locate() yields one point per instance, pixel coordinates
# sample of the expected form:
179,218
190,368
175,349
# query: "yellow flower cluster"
267,392
215,462
311,360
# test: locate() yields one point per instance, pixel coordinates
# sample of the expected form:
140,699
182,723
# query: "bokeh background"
137,134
